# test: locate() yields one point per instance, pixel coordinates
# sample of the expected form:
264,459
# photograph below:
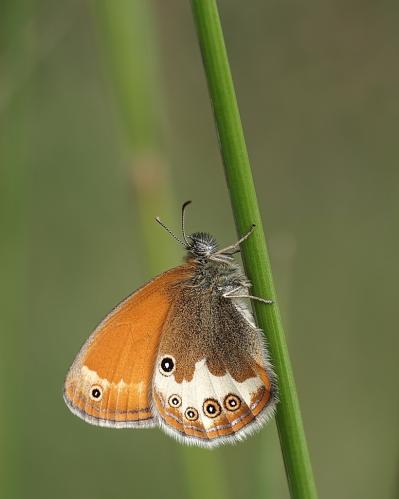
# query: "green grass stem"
254,251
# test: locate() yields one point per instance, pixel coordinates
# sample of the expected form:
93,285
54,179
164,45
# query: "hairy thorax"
218,277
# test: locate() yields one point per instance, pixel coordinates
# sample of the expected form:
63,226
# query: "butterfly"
182,353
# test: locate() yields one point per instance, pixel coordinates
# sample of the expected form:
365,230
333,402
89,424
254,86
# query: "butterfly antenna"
169,231
183,209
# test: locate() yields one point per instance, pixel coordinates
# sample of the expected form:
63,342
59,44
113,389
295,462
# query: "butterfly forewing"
109,383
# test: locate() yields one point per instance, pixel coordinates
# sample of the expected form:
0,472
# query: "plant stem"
128,40
254,251
128,34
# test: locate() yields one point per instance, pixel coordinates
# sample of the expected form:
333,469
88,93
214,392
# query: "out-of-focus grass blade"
17,35
128,37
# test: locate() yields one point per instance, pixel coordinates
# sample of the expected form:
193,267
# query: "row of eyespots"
210,407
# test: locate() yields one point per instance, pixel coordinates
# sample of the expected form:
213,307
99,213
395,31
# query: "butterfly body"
182,353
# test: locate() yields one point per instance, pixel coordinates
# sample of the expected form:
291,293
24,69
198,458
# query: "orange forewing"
118,358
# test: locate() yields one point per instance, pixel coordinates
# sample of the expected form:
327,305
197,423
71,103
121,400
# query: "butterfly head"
201,245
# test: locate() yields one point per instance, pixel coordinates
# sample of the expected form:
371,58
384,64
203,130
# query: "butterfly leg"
235,248
229,294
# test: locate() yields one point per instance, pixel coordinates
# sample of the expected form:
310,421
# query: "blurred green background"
105,123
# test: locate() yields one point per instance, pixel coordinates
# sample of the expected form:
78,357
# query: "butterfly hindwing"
109,383
212,379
